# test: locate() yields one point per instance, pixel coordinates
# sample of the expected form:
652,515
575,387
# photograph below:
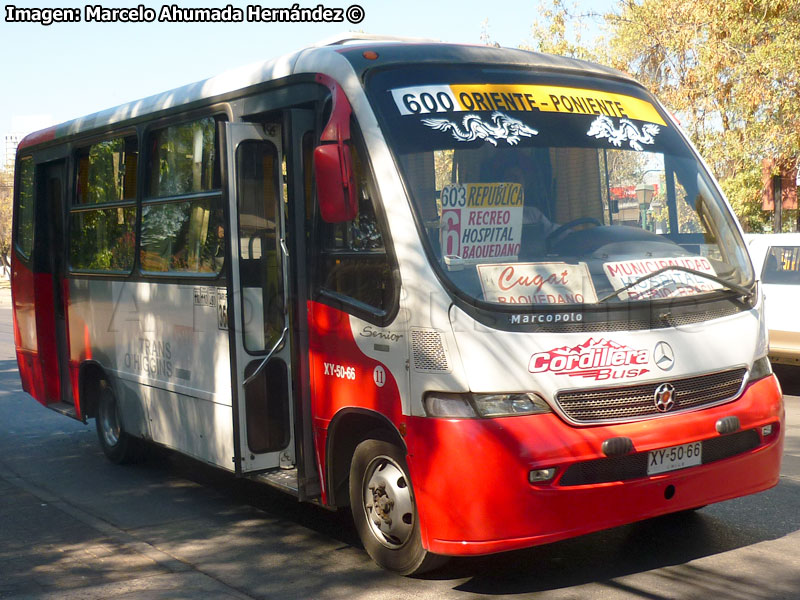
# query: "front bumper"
470,476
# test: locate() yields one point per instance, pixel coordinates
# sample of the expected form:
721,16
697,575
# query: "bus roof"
392,50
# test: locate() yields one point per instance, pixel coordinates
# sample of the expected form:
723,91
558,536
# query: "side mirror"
333,163
336,191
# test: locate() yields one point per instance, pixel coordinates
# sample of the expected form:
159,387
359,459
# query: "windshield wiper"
747,293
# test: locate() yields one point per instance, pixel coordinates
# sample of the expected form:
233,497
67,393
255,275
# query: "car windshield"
541,190
782,265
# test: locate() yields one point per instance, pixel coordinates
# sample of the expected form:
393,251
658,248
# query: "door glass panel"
353,260
267,407
260,265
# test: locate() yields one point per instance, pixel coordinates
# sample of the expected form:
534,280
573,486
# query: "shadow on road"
668,541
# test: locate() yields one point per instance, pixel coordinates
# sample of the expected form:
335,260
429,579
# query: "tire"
118,446
384,510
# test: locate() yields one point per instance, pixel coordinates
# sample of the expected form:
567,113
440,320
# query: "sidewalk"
5,293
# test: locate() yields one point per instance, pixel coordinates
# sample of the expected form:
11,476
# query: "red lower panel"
46,335
30,373
34,331
470,477
342,376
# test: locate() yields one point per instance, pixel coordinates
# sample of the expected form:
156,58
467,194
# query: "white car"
776,259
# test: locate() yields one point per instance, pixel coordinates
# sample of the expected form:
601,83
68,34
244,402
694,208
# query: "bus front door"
51,302
257,298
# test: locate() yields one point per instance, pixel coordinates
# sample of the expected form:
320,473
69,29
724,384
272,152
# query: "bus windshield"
541,190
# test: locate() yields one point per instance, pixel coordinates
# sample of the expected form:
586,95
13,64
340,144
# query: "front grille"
637,401
634,466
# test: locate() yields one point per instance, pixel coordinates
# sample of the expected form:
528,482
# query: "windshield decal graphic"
502,127
537,283
603,127
481,221
511,97
600,360
665,285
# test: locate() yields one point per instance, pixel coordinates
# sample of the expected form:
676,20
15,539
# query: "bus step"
283,479
64,409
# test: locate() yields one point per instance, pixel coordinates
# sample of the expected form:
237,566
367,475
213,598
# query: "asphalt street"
73,526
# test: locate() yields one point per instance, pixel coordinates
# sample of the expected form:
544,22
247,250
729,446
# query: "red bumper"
471,476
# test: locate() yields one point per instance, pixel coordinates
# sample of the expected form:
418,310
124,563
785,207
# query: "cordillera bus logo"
601,360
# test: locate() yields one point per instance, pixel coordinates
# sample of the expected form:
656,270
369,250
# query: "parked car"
776,257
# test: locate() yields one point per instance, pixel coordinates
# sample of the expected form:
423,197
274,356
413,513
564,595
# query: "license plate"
676,457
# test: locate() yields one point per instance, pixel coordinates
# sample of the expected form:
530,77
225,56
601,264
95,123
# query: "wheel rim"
388,503
109,422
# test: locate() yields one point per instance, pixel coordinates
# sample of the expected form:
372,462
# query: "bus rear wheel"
118,446
384,510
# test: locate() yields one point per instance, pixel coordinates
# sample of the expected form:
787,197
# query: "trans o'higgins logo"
600,360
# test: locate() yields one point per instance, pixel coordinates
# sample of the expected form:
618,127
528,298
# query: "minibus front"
605,356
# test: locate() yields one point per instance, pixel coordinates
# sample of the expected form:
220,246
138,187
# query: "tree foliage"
559,30
727,69
6,196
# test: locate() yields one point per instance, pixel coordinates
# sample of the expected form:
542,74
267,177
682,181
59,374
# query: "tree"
559,31
6,202
729,70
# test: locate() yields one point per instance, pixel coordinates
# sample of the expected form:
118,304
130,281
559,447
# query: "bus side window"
183,227
102,238
25,212
353,261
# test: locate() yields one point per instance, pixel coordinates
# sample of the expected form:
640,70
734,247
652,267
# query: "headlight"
505,405
443,404
761,368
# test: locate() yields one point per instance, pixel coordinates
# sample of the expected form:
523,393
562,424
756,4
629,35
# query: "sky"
55,73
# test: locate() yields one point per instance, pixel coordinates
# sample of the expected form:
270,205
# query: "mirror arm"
338,127
337,133
337,130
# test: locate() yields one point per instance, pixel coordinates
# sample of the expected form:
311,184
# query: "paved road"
73,526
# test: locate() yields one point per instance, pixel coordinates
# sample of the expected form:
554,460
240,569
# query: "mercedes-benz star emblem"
663,356
664,397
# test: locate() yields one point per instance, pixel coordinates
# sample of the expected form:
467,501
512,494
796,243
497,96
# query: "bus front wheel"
118,446
384,510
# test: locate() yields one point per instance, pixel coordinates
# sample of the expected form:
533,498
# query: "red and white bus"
394,276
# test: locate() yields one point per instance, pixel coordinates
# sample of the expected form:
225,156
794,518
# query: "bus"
486,298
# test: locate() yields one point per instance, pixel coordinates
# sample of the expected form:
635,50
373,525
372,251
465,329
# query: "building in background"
779,181
11,141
